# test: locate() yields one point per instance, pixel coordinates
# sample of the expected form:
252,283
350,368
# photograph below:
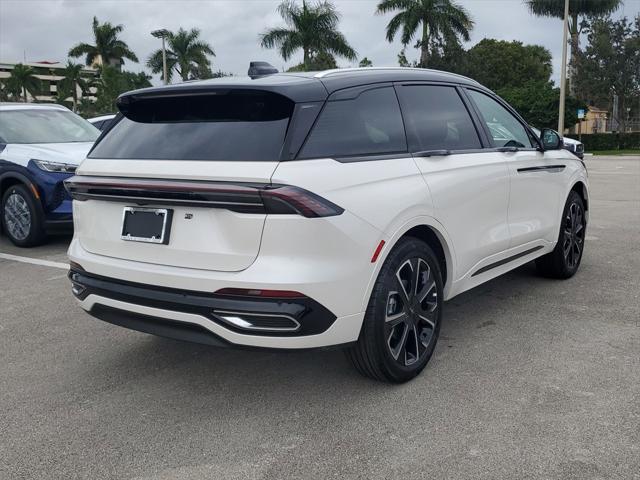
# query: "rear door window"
436,118
369,124
504,128
235,125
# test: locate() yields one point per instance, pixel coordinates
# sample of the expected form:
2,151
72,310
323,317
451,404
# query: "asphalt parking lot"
532,378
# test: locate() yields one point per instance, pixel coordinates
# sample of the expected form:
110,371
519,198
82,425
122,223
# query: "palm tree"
312,28
5,94
108,48
440,19
72,81
186,54
577,8
23,80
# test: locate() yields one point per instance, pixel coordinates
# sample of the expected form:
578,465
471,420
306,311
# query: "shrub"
609,141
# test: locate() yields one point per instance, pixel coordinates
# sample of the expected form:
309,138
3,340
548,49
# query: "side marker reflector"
377,252
35,191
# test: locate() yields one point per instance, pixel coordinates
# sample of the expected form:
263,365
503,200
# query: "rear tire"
22,217
564,261
402,322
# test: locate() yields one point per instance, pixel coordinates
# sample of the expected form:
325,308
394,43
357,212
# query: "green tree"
538,103
112,83
441,20
186,54
221,74
500,64
610,65
365,62
577,8
72,81
312,29
5,94
22,81
403,61
108,48
321,61
448,55
134,81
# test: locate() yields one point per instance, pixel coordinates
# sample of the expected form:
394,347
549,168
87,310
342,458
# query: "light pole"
563,68
163,33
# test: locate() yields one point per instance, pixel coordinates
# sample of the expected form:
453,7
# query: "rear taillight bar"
259,293
237,197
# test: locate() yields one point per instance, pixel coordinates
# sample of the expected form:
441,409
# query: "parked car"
102,122
309,210
40,146
574,146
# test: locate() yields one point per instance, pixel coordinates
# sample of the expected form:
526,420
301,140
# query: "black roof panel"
305,86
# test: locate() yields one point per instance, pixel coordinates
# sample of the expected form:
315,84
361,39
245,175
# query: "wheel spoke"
395,351
407,289
411,343
392,320
428,334
428,321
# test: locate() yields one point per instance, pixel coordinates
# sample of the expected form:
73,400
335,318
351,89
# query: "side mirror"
551,140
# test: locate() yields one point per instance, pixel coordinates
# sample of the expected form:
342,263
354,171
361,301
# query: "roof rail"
334,71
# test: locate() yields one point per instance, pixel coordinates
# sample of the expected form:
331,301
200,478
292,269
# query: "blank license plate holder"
148,225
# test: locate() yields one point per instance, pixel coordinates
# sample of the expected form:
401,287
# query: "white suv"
297,211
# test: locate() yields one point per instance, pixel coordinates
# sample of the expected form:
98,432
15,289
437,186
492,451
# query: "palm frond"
387,6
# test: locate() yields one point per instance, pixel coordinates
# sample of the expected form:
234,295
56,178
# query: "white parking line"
34,261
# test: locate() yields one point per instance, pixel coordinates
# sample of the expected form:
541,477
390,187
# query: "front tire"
22,218
564,261
402,321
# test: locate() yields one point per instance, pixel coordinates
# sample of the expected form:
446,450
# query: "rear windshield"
231,125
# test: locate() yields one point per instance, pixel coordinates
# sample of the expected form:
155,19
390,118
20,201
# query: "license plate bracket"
148,225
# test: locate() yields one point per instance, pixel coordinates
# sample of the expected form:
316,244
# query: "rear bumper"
188,332
198,316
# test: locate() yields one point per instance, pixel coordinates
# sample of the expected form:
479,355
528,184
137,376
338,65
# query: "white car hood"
72,153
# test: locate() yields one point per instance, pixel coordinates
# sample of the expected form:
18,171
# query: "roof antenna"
261,69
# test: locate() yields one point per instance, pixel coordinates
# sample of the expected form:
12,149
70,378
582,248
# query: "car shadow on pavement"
201,368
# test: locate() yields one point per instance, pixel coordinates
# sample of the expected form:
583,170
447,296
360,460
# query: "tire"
22,217
394,317
564,261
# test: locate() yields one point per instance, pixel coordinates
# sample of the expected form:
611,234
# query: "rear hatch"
198,162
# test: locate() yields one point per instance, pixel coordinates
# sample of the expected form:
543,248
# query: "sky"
38,30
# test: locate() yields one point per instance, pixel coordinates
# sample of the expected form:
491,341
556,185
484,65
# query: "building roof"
46,65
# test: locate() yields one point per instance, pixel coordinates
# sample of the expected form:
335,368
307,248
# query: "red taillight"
288,199
241,197
248,292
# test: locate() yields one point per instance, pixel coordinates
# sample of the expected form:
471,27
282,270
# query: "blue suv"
40,146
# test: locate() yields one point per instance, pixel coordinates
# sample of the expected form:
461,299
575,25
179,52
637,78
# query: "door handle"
432,153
